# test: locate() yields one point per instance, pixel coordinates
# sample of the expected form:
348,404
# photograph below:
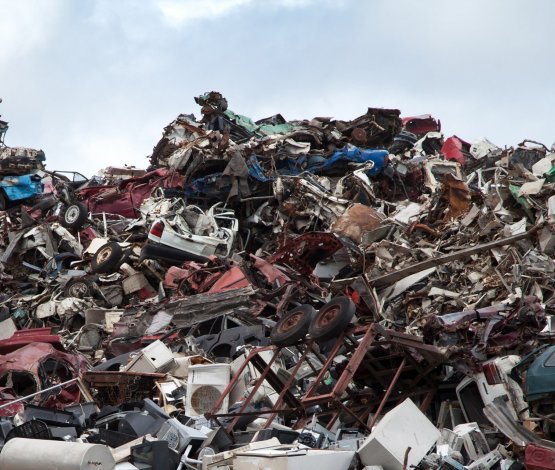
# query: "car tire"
107,259
75,216
332,319
293,326
78,287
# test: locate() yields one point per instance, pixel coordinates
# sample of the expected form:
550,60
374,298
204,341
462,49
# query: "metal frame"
341,399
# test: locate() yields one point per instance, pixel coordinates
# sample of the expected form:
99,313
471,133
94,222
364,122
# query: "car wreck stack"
277,294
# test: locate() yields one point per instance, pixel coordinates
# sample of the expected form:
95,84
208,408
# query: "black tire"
75,216
292,327
332,319
3,201
107,259
78,287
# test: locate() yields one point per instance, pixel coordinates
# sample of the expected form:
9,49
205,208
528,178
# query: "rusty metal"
355,416
287,385
342,399
244,413
346,377
266,374
427,400
324,370
257,385
115,388
387,393
236,378
423,227
307,250
358,135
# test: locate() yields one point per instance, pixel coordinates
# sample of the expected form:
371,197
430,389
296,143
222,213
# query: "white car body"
213,233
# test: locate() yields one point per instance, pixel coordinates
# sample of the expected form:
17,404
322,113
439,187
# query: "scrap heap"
362,293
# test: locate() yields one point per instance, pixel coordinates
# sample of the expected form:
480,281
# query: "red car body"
32,335
35,367
126,197
539,458
456,149
421,125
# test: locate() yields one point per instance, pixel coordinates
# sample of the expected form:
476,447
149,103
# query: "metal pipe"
256,198
5,405
105,224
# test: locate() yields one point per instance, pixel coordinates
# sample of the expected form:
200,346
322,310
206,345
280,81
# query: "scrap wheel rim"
103,255
78,289
72,214
290,322
328,316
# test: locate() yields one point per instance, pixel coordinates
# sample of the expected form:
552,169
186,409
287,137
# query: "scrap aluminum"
269,294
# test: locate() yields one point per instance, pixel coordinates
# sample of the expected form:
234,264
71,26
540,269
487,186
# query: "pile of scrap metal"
18,171
276,294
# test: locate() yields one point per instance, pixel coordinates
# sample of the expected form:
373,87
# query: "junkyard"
271,294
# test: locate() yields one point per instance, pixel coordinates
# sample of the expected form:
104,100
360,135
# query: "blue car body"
352,154
215,184
17,188
318,164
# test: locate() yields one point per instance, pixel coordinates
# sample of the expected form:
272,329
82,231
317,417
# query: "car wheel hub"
103,255
78,290
72,214
328,316
290,322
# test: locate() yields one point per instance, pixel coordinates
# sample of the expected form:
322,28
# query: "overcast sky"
93,82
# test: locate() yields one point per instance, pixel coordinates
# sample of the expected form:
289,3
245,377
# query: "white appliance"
205,384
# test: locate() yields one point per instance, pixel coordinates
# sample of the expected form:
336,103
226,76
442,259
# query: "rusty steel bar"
333,419
388,392
354,363
325,367
255,388
347,375
349,412
231,385
427,400
286,386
